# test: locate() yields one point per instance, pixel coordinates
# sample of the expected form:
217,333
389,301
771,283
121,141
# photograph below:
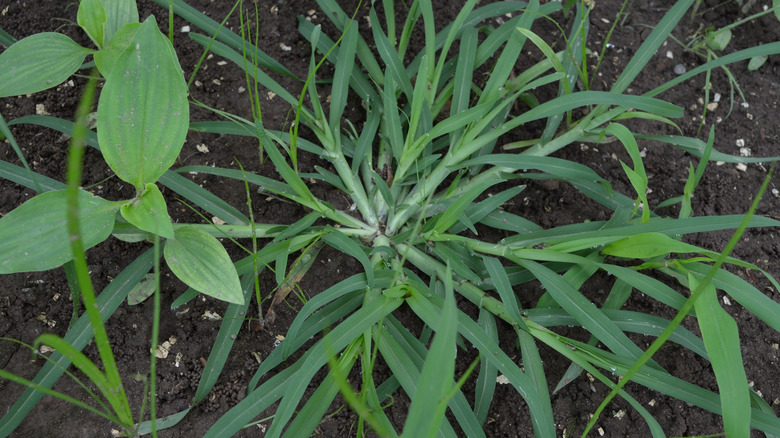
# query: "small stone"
740,142
726,301
716,98
742,167
210,315
745,152
502,379
669,54
651,402
712,106
40,109
202,148
241,90
274,9
217,221
679,69
222,63
601,431
185,29
216,82
271,95
749,116
285,47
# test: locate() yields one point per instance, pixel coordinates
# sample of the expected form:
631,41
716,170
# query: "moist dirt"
36,303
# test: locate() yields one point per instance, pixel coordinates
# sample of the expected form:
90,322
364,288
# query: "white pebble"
742,167
185,29
740,142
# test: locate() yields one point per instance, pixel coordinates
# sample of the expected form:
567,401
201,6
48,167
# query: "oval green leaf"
92,18
108,54
34,236
149,212
143,114
202,263
718,40
118,14
756,62
39,62
143,290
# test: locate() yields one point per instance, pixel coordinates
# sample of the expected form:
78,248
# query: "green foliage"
39,62
199,260
143,112
426,166
34,236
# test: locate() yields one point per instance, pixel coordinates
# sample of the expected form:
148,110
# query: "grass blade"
721,337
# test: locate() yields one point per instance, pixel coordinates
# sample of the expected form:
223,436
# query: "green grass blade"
310,416
540,414
342,243
583,310
437,374
212,27
344,66
647,50
20,175
394,66
486,380
721,337
317,356
744,293
78,336
406,355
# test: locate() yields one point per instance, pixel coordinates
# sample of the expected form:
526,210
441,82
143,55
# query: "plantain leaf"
39,62
34,236
149,212
118,14
202,263
108,54
143,114
141,291
92,18
718,40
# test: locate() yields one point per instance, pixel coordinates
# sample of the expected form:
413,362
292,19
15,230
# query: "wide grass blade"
721,337
540,414
311,362
486,380
430,399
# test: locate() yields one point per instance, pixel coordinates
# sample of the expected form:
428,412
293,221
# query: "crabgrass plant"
427,174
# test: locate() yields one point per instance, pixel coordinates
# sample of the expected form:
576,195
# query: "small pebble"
679,69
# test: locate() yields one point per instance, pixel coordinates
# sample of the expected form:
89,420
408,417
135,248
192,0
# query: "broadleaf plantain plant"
142,121
428,173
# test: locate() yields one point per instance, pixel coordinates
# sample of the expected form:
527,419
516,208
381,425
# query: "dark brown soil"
35,303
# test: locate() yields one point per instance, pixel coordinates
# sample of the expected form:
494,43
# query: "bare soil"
35,303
